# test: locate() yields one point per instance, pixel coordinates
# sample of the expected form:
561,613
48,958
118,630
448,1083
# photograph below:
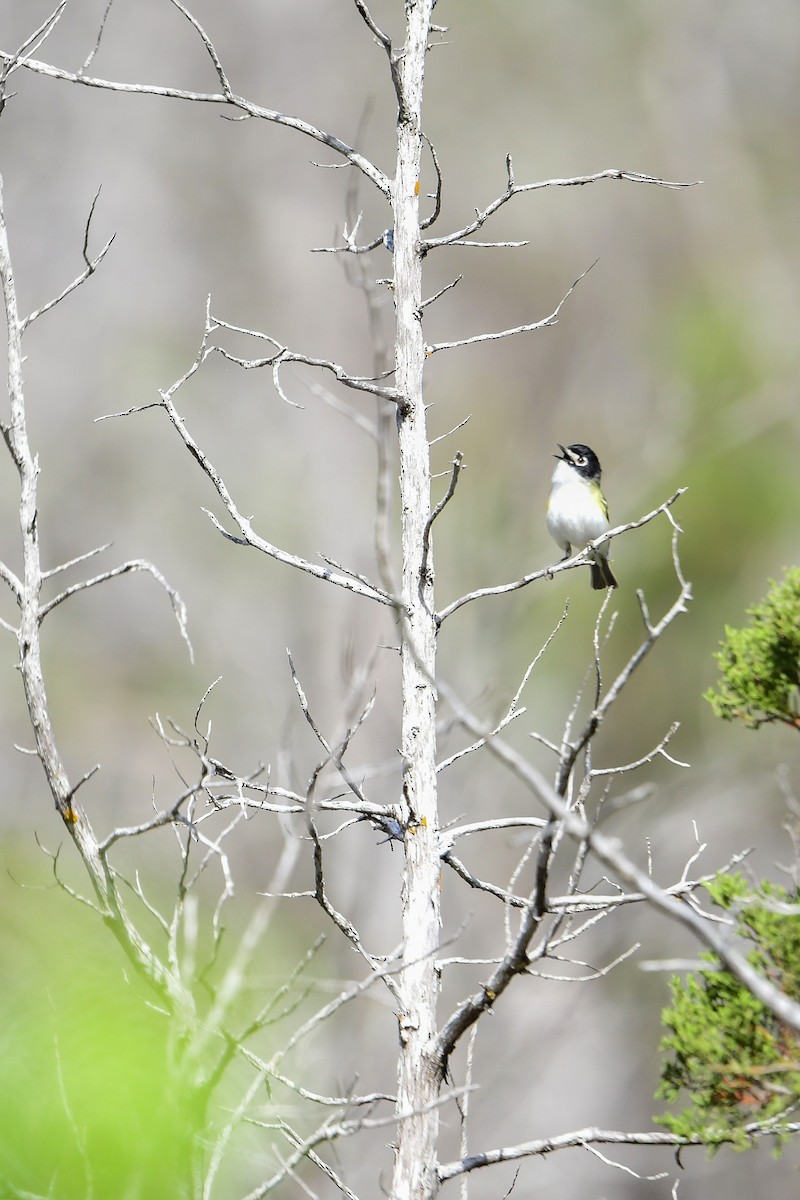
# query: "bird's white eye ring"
581,460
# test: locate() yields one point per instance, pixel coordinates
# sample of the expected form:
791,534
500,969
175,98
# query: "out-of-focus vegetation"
760,664
736,1060
87,1106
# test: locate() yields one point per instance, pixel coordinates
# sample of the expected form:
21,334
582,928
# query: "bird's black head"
582,458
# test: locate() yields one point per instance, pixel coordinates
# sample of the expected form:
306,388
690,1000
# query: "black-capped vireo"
577,511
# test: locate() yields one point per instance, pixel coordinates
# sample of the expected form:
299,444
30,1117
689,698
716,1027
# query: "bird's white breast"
574,516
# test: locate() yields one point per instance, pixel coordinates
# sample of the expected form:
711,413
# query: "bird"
577,511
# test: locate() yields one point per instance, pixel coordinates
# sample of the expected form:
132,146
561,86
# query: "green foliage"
760,664
87,1106
735,1059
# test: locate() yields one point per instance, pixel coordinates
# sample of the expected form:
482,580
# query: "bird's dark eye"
581,460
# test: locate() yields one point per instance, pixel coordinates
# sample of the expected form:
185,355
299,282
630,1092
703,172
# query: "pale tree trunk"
419,1074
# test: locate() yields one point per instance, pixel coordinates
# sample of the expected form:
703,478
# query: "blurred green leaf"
87,1107
760,664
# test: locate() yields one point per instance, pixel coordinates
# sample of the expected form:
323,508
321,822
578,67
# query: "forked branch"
459,236
247,536
91,266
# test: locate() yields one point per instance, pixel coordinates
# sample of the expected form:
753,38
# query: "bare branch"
12,62
449,433
395,58
504,245
653,633
592,1136
447,287
592,973
610,853
9,578
73,562
660,749
168,816
504,333
465,1104
99,38
324,1167
515,962
103,880
335,755
282,355
578,560
341,922
348,571
227,99
481,885
378,33
583,902
206,40
515,189
458,462
449,837
437,196
340,406
136,564
387,237
248,536
377,973
223,1137
91,267
513,711
350,247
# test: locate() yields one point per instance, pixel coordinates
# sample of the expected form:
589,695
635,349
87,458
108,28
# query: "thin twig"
513,711
372,26
206,40
552,319
458,463
99,38
137,564
91,266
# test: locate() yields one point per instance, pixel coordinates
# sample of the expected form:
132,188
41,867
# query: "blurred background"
676,359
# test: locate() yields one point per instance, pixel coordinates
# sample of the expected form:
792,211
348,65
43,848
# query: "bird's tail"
602,575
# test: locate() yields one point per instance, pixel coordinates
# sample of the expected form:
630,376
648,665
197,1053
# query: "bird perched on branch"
577,511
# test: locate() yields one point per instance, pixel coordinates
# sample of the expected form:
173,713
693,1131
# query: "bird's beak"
563,455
